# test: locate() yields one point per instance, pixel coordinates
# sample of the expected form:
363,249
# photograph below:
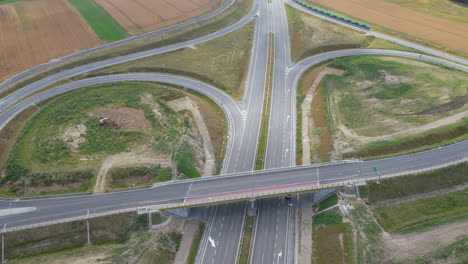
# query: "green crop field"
64,144
425,212
102,23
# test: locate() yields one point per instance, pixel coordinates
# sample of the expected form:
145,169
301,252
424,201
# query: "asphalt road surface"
273,242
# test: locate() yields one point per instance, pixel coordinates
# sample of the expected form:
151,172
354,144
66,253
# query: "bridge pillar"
252,210
88,235
150,220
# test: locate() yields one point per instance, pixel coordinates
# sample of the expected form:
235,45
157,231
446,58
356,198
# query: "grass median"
264,126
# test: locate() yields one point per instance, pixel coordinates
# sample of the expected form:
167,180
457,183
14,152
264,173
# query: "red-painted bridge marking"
252,192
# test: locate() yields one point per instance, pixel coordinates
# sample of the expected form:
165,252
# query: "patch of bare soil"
185,103
141,156
73,135
413,245
126,118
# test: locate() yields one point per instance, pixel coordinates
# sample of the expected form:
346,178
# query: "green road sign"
375,170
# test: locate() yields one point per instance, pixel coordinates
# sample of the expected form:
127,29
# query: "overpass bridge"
225,188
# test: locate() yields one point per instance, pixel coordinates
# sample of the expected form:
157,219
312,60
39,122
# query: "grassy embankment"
247,237
196,244
411,205
46,160
222,62
391,32
332,239
362,101
102,23
311,35
421,213
226,18
441,8
264,126
43,244
329,202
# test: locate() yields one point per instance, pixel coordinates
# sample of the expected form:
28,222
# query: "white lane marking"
212,242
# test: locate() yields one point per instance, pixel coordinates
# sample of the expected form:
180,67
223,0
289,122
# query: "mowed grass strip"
102,23
427,211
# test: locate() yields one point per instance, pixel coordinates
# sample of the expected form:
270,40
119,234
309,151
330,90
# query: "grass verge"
102,23
263,138
158,218
422,213
246,239
330,217
192,257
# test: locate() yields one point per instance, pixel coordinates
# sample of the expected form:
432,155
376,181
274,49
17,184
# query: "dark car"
287,196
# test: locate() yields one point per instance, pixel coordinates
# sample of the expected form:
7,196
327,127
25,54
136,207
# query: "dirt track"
138,16
34,32
448,33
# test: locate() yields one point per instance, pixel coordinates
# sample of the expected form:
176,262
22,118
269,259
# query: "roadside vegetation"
102,23
126,130
222,62
354,114
311,35
263,137
222,20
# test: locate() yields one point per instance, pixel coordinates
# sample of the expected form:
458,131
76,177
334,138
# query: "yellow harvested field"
442,31
32,33
138,16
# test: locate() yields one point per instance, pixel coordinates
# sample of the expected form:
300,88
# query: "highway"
274,235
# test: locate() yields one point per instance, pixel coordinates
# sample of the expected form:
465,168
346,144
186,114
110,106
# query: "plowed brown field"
138,16
446,32
32,33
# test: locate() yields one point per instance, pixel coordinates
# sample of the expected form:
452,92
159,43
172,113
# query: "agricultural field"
442,32
37,31
141,16
222,62
99,138
440,8
358,106
103,24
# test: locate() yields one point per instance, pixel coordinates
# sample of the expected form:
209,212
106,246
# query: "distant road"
52,62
